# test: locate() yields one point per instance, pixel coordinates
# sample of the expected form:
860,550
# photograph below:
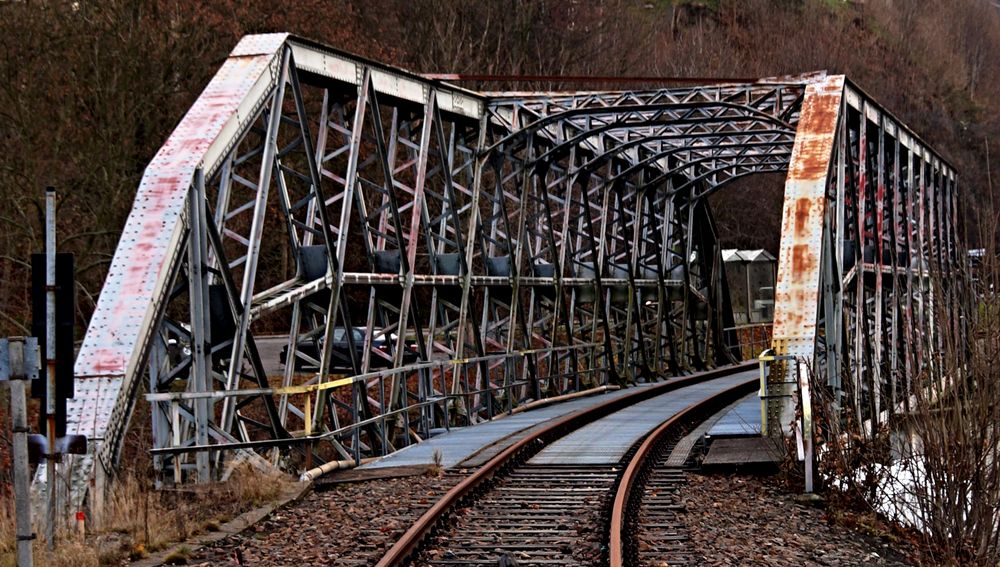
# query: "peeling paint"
797,293
802,206
814,137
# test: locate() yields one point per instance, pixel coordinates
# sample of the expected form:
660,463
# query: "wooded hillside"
90,90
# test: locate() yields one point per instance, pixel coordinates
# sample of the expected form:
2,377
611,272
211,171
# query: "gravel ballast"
735,520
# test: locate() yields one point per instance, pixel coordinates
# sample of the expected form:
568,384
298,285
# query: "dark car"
341,359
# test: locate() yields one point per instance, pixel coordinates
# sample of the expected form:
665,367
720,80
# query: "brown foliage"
90,90
936,467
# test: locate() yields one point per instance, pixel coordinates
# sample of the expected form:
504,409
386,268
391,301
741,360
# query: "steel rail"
408,544
630,479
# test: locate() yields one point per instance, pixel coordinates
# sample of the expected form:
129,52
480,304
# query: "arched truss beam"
779,101
637,118
646,142
706,142
768,161
449,255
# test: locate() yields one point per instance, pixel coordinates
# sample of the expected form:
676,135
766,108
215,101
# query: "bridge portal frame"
524,245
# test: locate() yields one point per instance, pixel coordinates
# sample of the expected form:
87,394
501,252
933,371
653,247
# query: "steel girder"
494,248
870,264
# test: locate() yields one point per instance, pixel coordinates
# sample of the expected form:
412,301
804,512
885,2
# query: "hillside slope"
90,90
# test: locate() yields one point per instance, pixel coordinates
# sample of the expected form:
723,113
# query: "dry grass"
141,520
69,552
436,469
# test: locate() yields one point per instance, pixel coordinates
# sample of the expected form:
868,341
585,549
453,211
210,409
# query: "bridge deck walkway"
740,421
605,441
474,444
471,446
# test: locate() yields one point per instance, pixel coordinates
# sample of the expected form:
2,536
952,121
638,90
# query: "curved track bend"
552,497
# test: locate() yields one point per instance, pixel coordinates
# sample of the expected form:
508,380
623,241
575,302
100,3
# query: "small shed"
751,276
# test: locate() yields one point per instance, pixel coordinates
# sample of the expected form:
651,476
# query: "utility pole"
52,322
18,364
50,357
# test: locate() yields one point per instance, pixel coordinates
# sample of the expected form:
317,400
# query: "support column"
200,321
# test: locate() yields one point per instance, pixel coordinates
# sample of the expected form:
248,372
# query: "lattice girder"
438,257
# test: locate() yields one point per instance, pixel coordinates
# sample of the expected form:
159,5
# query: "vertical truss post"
472,233
200,324
427,126
256,232
159,412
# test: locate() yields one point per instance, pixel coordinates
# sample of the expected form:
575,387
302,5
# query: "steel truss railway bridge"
491,249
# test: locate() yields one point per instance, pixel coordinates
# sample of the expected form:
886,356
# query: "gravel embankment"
735,520
339,525
731,520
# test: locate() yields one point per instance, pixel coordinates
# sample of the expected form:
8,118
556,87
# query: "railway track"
516,512
646,523
537,515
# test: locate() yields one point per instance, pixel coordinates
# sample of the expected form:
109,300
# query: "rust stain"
107,361
787,319
143,254
802,207
799,314
803,262
879,221
815,133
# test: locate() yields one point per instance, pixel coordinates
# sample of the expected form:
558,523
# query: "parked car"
341,358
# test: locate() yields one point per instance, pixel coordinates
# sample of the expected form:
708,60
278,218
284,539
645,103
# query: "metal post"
763,359
253,250
22,481
159,413
749,308
50,357
804,373
200,340
21,351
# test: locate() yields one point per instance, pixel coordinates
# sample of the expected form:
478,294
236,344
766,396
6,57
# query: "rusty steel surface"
450,255
111,355
155,225
864,291
797,292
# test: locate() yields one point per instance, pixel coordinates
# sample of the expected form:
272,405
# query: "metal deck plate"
742,420
607,440
744,452
461,443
